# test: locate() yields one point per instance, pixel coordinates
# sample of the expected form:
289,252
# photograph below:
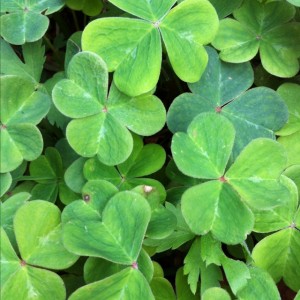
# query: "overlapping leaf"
290,93
262,27
221,206
143,161
278,252
114,233
40,246
22,107
96,268
100,125
255,113
24,21
88,7
47,170
40,241
22,281
127,284
132,47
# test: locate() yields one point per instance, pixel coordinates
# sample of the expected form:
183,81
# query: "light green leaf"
214,206
259,286
237,273
40,241
215,293
296,3
26,282
279,217
8,210
21,108
20,102
144,115
185,30
193,263
95,170
74,177
86,91
115,234
130,47
10,262
211,276
238,43
150,159
97,193
128,284
29,283
290,93
5,183
162,289
211,251
148,10
19,142
277,51
98,268
278,255
204,151
183,290
162,223
100,134
293,173
254,174
292,147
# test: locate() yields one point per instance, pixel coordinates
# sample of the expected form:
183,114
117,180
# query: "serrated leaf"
183,290
193,263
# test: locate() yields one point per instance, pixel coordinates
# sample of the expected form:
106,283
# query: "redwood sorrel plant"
150,149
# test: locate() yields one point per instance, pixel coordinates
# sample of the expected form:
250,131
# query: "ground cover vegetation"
150,149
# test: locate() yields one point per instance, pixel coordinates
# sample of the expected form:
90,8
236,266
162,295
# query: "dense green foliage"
150,150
